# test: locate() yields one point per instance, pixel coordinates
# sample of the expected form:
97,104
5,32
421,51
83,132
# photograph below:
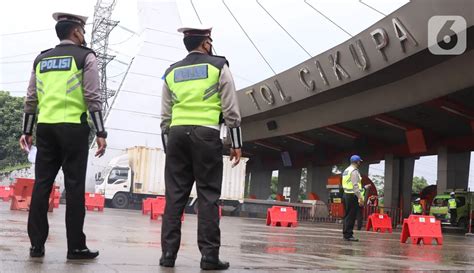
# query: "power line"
163,31
14,82
157,58
248,37
16,62
25,32
199,18
146,75
133,131
283,28
124,41
327,18
18,55
163,45
136,112
114,76
372,8
141,93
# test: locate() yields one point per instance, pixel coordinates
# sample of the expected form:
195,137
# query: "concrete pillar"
453,170
364,168
407,167
391,181
317,179
290,178
260,182
398,183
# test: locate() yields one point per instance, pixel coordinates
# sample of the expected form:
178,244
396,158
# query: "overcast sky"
259,38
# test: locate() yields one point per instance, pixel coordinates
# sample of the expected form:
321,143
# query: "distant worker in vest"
452,206
417,208
353,200
63,93
198,95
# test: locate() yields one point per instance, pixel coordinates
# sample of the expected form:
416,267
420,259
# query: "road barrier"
157,207
22,191
421,228
6,193
379,223
146,205
282,216
94,201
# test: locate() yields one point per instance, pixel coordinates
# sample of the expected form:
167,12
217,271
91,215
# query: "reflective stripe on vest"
417,208
452,203
346,180
59,90
195,94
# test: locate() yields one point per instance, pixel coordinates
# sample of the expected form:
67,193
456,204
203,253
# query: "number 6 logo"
447,35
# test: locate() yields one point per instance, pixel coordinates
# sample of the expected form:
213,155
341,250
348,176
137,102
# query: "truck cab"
115,182
439,208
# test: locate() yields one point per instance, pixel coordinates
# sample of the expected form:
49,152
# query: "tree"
11,111
378,181
419,183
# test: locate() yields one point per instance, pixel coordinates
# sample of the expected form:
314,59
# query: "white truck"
139,173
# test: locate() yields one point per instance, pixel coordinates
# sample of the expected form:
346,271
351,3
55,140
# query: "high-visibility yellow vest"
346,180
194,86
417,209
452,203
59,84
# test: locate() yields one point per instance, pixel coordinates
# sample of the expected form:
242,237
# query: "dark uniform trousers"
60,145
454,216
193,153
351,206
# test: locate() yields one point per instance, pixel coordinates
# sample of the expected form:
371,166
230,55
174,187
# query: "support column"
453,170
317,179
364,169
407,167
290,178
260,181
398,183
391,182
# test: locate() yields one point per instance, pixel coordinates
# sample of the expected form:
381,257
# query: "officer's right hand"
101,145
361,202
235,154
25,142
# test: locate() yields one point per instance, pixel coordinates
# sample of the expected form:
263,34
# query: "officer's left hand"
26,142
101,145
235,154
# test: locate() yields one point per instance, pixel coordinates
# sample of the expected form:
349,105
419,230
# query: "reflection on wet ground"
130,242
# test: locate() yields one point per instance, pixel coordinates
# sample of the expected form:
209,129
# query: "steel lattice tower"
101,28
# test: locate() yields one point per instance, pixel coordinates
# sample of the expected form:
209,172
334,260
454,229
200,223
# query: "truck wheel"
120,201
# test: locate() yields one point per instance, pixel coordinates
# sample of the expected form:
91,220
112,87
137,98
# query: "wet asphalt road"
130,242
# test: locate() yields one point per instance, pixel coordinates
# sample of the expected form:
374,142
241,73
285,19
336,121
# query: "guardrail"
316,211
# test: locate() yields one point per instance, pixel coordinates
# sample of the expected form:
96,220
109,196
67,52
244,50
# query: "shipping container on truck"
139,174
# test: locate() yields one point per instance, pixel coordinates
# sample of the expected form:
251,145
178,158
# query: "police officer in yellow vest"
353,200
198,94
452,206
63,88
364,191
417,208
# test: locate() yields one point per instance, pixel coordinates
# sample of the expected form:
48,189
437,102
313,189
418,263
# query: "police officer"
417,208
63,87
452,206
198,93
360,212
353,200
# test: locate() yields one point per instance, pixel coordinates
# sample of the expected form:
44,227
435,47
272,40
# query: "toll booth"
335,204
